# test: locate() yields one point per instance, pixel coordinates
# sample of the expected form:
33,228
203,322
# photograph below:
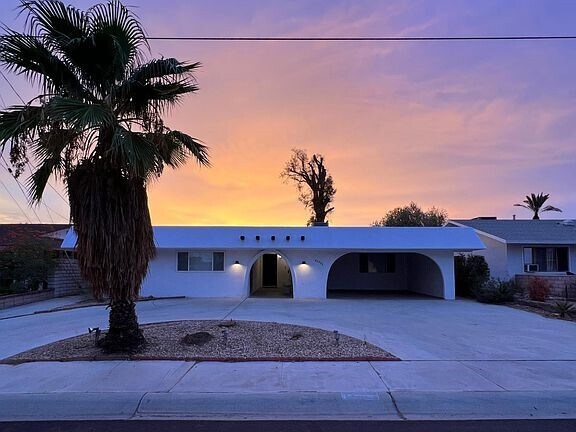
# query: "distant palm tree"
97,125
535,203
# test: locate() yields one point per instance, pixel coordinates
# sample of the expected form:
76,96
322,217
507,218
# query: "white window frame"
212,252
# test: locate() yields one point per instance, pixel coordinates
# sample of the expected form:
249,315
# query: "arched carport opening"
271,276
382,273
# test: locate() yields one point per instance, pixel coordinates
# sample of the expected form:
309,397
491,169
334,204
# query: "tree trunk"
124,334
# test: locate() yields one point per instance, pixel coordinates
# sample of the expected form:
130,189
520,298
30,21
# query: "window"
200,261
548,259
377,263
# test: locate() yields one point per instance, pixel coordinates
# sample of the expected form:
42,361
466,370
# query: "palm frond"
79,114
194,147
160,68
134,153
39,179
551,208
54,21
113,24
20,120
160,83
29,56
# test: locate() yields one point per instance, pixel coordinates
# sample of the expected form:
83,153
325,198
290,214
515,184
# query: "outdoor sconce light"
242,237
257,237
287,238
236,262
303,262
273,238
302,238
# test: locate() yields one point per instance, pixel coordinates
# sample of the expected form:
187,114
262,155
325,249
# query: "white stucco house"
307,262
525,247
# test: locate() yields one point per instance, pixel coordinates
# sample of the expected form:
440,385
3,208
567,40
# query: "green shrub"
539,289
496,291
471,272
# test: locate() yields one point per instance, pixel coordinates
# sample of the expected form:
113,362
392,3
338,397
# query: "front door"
269,270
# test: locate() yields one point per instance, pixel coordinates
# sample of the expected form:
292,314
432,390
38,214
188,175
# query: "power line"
12,87
20,187
16,202
362,38
20,97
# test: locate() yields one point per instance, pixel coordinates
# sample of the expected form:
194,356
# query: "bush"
496,291
539,289
471,272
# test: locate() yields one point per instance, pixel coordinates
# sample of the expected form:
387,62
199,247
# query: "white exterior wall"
496,256
309,279
165,280
516,258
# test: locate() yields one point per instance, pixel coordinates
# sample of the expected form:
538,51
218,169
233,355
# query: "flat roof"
349,238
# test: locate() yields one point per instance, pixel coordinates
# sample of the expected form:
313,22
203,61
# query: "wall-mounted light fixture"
303,262
242,237
302,238
258,238
273,238
236,262
287,238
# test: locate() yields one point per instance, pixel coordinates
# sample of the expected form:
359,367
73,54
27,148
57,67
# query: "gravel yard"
219,341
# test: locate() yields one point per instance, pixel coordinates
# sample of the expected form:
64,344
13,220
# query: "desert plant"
564,308
538,290
470,272
495,291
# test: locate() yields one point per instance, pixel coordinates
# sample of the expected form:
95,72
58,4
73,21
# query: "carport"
385,272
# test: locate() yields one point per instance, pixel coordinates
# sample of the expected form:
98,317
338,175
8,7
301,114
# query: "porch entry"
270,276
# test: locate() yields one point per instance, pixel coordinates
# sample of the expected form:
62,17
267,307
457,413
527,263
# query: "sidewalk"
456,383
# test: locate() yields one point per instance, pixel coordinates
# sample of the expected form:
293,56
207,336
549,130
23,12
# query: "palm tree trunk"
124,334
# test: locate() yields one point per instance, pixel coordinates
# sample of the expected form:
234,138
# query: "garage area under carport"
368,273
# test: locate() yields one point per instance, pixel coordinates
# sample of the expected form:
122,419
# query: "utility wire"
16,202
20,97
20,187
362,38
12,87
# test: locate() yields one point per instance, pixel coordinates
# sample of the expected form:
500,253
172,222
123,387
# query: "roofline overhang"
492,236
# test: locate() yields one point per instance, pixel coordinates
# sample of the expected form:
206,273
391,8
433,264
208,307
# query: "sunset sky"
468,126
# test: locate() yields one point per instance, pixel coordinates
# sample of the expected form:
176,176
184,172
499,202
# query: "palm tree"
97,125
535,203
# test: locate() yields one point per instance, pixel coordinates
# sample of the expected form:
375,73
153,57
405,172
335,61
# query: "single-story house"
525,247
307,262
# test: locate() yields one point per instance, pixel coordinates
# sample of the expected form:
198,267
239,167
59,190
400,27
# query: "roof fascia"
492,236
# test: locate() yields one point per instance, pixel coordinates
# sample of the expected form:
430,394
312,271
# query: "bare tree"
314,183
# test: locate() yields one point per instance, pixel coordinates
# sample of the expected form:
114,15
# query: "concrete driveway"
461,359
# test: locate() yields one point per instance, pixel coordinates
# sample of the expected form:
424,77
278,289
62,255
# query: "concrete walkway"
461,361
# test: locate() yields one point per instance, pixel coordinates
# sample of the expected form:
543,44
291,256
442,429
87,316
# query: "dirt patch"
243,341
546,311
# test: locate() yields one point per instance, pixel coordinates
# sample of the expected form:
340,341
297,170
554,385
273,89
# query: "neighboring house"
308,262
525,247
65,279
12,235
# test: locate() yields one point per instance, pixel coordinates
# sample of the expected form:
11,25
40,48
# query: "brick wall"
66,279
557,284
13,300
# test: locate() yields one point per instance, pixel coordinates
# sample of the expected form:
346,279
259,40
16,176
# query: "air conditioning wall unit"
531,268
